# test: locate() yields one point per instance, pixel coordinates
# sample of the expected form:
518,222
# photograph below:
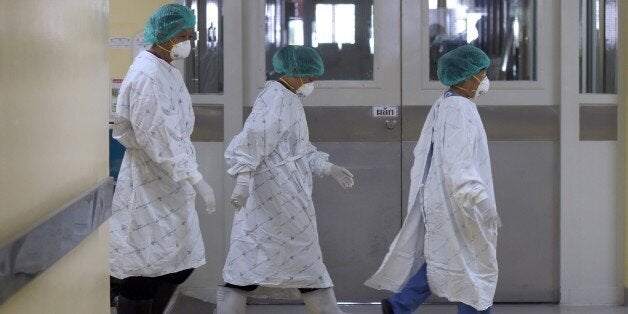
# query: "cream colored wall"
54,106
126,19
75,284
53,134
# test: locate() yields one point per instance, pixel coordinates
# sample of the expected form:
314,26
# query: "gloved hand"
342,175
489,214
205,191
241,191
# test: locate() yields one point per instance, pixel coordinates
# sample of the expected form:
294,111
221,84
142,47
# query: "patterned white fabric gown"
457,245
274,241
154,226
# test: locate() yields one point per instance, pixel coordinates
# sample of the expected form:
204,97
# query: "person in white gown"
274,241
155,238
447,244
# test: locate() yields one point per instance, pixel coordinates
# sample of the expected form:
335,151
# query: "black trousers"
145,288
250,288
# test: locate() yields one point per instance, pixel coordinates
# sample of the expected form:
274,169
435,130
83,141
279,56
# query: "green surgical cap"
461,64
167,22
298,61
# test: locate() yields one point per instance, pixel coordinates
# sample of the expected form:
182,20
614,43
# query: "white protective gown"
443,227
154,226
274,242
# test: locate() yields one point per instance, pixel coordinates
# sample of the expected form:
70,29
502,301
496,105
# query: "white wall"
591,228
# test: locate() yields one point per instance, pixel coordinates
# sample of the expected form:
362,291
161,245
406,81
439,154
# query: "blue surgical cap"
461,64
167,22
298,61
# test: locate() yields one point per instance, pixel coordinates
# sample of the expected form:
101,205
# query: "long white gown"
274,241
154,226
443,227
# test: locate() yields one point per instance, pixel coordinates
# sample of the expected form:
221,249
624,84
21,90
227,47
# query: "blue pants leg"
413,294
466,309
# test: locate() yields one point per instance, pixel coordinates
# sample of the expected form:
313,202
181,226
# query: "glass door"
353,115
520,115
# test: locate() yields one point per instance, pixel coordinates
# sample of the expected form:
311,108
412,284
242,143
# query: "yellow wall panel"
75,284
127,19
54,114
53,138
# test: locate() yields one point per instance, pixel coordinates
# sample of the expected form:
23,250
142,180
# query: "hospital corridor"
314,156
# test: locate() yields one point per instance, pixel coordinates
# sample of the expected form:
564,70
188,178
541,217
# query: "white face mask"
483,87
181,50
305,90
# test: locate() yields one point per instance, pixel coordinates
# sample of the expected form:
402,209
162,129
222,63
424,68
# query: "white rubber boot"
230,301
321,301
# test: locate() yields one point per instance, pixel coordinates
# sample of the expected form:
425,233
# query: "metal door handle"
391,124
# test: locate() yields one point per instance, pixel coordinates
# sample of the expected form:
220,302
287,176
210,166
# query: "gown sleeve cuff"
327,168
195,178
480,197
469,199
243,178
240,168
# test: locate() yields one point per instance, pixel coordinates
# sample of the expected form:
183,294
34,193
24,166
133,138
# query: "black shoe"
126,306
387,307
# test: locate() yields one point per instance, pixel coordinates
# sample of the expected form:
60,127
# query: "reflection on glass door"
204,69
598,46
505,30
341,31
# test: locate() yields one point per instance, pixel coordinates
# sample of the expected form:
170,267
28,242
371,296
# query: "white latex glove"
342,175
241,191
205,191
489,214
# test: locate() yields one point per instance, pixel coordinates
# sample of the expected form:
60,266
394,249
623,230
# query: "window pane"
204,72
344,23
505,30
324,27
341,31
598,46
295,32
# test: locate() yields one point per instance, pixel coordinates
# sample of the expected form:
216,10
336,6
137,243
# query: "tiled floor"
187,305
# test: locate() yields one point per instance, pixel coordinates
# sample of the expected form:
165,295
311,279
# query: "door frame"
384,89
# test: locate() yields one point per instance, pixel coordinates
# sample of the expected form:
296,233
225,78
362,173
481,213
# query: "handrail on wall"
38,248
